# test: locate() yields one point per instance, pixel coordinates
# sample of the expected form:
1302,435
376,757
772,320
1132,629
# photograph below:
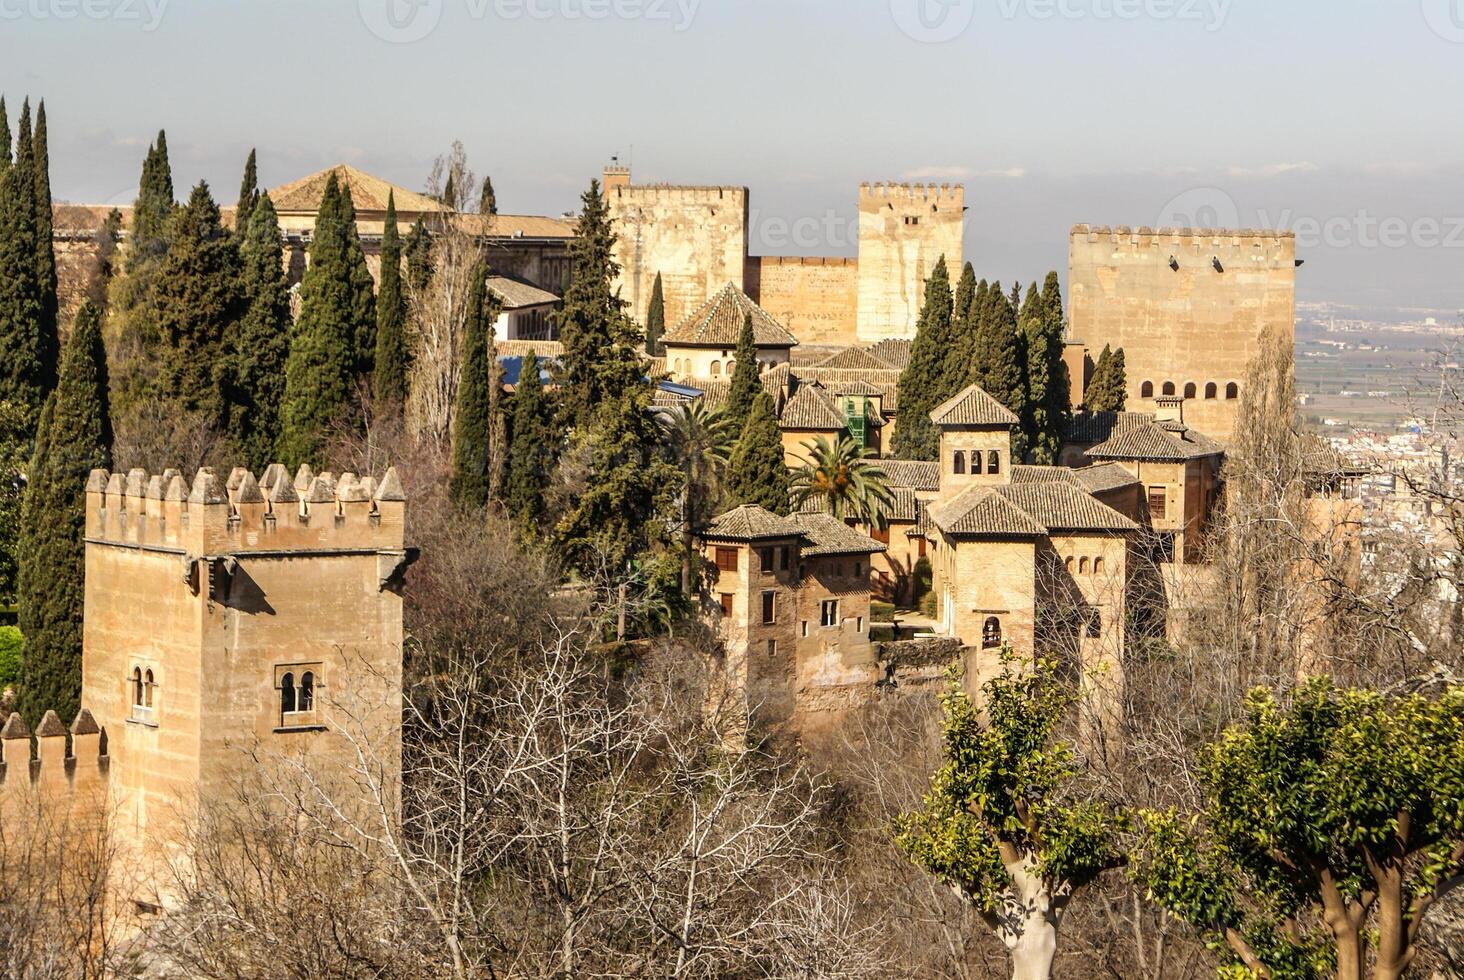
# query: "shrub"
11,645
881,612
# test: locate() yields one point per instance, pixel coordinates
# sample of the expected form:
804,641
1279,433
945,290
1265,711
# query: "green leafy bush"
11,645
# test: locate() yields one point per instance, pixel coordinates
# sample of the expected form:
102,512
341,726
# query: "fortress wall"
817,299
696,237
904,229
1194,323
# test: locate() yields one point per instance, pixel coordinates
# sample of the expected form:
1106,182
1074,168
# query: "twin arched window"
991,633
143,686
296,699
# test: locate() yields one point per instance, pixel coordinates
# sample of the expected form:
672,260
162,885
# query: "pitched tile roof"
808,355
516,295
513,225
854,359
1157,442
542,349
810,408
830,536
914,473
973,407
887,381
1090,428
751,523
894,352
982,512
718,323
1023,474
856,386
1058,506
368,193
1102,477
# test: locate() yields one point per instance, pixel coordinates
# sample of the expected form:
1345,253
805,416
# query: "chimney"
1169,408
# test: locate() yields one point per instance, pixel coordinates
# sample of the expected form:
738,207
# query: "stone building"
702,346
273,620
698,238
1186,305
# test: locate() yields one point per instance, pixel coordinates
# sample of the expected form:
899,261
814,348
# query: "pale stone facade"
904,230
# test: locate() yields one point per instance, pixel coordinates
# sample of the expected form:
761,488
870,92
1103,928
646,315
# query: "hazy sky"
1339,118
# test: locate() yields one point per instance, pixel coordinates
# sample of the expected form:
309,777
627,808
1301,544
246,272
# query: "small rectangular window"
727,559
769,607
829,613
921,545
1158,503
726,603
765,556
772,648
859,624
803,628
783,558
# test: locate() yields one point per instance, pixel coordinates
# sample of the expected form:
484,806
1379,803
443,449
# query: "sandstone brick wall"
817,299
695,237
1194,324
904,229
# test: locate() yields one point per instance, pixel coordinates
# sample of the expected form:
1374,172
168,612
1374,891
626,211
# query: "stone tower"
233,616
904,229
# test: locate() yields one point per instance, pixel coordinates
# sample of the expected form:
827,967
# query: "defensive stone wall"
816,298
904,229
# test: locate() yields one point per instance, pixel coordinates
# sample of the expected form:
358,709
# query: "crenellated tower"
904,229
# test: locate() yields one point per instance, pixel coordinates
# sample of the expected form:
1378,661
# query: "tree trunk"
1028,920
1033,947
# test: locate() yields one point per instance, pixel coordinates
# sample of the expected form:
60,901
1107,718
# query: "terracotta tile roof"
1102,477
751,523
1153,441
512,225
973,407
913,473
718,323
1059,506
542,349
894,352
1090,428
516,295
924,526
830,536
982,512
887,381
1024,474
854,359
368,193
810,408
857,386
808,355
777,377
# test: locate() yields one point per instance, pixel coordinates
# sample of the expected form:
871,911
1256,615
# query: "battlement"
888,192
804,260
307,513
50,768
1217,236
678,193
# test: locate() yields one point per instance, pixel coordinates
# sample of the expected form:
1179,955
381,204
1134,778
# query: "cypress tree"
26,371
248,196
389,377
996,361
592,318
655,319
487,200
418,251
262,341
961,308
321,369
197,301
1048,400
1052,302
4,136
757,473
923,383
363,288
147,234
1107,390
746,385
45,250
472,430
75,436
532,447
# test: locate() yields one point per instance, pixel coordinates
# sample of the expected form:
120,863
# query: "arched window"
307,691
1169,388
1146,390
137,687
1082,566
1232,391
716,369
991,633
993,462
976,462
287,693
1097,566
1068,564
1190,390
958,462
1211,390
147,689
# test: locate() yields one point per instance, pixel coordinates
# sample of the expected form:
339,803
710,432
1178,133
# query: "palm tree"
699,440
841,477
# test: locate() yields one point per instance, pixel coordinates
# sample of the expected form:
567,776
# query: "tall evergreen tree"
1052,302
757,472
418,252
248,196
321,369
655,319
4,136
1108,388
592,317
997,360
745,385
75,437
473,422
923,382
261,345
389,377
487,200
45,250
197,301
151,211
363,288
533,444
26,371
961,308
1049,401
449,192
